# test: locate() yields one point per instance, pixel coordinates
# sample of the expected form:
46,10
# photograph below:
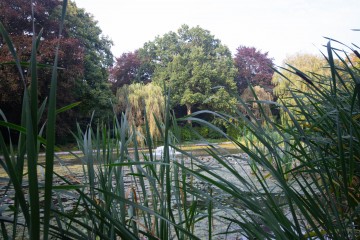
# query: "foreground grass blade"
50,132
31,108
15,180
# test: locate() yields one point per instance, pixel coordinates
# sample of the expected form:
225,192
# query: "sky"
279,27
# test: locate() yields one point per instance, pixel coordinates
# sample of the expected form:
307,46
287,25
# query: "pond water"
239,162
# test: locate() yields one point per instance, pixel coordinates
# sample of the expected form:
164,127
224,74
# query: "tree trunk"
188,107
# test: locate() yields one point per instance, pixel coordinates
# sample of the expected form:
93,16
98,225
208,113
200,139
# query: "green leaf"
68,107
50,131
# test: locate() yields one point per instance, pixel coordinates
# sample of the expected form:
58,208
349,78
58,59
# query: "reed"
303,181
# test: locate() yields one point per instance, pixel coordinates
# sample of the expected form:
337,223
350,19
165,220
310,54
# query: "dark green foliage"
93,89
195,65
234,131
203,131
189,133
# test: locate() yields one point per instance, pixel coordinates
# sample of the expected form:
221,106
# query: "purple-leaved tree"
253,66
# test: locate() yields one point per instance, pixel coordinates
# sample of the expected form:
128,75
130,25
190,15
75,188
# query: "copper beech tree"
82,66
129,68
253,67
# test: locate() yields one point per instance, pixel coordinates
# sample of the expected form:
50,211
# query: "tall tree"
195,65
289,79
308,63
140,101
93,88
254,67
128,69
253,103
84,57
16,17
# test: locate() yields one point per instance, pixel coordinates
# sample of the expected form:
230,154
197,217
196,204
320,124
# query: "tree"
248,97
93,89
83,58
254,67
128,69
137,99
308,63
196,66
16,17
291,80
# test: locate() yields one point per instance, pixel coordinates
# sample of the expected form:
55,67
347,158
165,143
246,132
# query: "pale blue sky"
279,27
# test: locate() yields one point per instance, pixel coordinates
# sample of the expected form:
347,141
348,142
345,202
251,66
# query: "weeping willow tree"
290,83
139,100
248,97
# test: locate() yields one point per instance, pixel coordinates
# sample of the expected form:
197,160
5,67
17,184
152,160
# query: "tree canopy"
83,58
195,65
290,79
93,86
254,67
128,69
253,104
139,101
308,63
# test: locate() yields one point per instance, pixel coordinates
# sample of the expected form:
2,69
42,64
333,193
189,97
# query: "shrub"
187,134
233,131
203,131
